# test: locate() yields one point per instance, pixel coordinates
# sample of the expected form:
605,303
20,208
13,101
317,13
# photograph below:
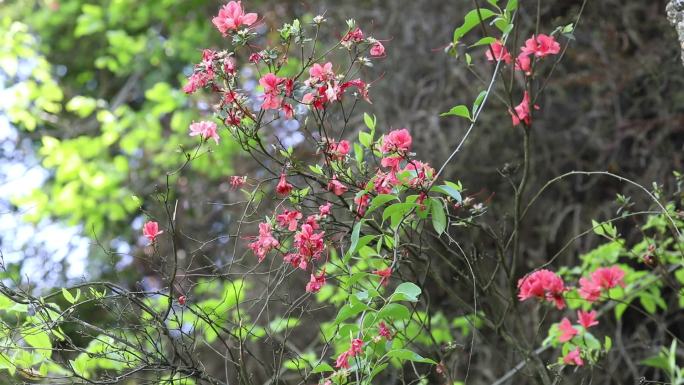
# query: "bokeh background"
92,118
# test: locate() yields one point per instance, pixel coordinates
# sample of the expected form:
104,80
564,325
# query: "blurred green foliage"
96,85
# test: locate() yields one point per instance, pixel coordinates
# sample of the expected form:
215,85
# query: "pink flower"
384,331
522,111
377,49
270,82
355,348
500,52
283,187
325,209
589,290
316,282
264,243
542,45
289,219
309,244
360,85
353,36
608,277
198,80
385,182
312,220
587,319
542,284
296,260
205,129
343,360
321,73
231,16
254,57
397,141
151,230
384,275
362,202
524,63
567,331
237,181
338,150
336,186
392,162
573,358
421,173
288,110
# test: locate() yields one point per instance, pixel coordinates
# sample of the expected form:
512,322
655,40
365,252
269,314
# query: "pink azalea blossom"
608,277
283,187
270,82
500,52
254,57
353,36
309,244
205,129
589,290
573,358
522,111
342,361
287,110
237,181
542,284
289,219
384,331
325,209
377,49
397,141
316,282
321,73
384,182
362,201
540,46
384,275
356,346
524,63
312,220
392,162
336,186
338,150
231,16
587,319
151,230
566,329
197,80
265,242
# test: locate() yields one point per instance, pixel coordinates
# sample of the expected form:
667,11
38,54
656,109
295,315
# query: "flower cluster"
354,350
547,285
536,47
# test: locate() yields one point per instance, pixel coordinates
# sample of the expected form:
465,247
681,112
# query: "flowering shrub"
353,226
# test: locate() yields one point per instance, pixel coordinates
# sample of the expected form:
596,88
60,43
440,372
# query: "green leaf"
380,200
408,355
70,298
322,367
459,110
370,121
484,41
439,220
448,190
39,339
471,20
407,291
354,240
394,311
